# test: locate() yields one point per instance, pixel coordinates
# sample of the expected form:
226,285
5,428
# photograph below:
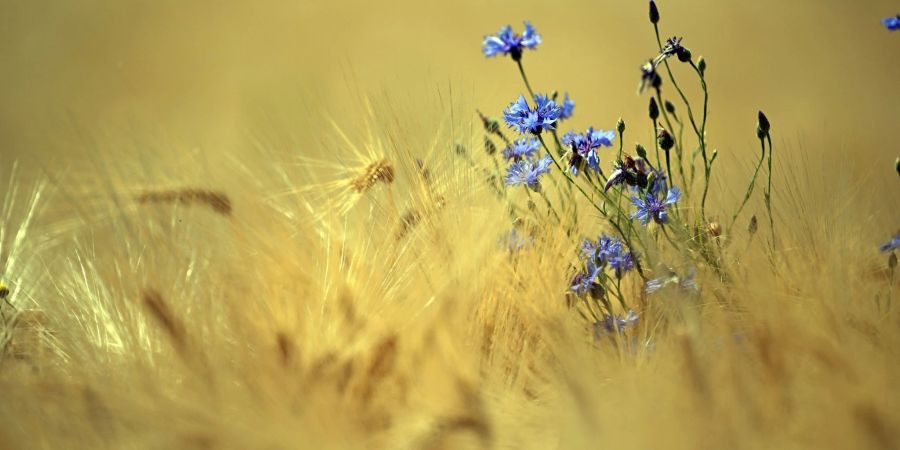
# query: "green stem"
762,157
525,78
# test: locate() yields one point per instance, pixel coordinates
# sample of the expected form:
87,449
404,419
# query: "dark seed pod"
670,107
653,109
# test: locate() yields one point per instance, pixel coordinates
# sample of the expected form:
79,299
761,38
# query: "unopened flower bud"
654,12
762,126
620,127
701,66
640,151
665,140
670,107
653,109
684,55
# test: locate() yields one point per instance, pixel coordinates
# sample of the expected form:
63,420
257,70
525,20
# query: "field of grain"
278,225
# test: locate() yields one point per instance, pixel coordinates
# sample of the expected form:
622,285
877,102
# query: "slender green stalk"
762,157
525,78
768,194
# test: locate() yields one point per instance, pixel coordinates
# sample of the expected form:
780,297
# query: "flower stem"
762,157
525,78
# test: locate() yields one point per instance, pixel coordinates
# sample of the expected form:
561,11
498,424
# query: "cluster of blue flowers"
649,184
892,23
606,252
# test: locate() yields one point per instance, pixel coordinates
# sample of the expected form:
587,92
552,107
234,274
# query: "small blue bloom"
514,241
653,207
520,116
521,149
892,244
584,148
567,108
508,43
892,23
584,283
687,282
614,324
526,172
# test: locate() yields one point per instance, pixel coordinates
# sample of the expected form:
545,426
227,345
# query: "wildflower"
520,116
609,252
614,324
892,244
653,207
892,23
521,149
508,43
649,77
585,283
584,148
686,282
527,172
514,241
673,47
633,172
566,108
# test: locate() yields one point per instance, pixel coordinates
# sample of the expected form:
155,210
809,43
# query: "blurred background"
158,77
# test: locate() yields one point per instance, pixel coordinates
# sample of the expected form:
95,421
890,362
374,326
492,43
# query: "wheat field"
274,225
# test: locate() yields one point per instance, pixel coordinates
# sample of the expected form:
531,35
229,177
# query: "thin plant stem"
762,157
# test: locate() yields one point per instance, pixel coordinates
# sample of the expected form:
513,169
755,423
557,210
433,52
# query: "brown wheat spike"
159,309
377,171
217,201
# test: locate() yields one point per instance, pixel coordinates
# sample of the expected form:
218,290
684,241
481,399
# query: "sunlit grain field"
272,225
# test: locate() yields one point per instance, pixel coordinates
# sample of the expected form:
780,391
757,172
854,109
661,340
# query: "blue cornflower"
567,108
508,43
608,251
653,207
673,47
584,148
892,23
687,282
585,283
514,241
614,324
526,172
892,244
520,116
521,149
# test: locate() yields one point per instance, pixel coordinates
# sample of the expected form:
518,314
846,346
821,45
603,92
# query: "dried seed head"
714,229
489,146
665,139
381,171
